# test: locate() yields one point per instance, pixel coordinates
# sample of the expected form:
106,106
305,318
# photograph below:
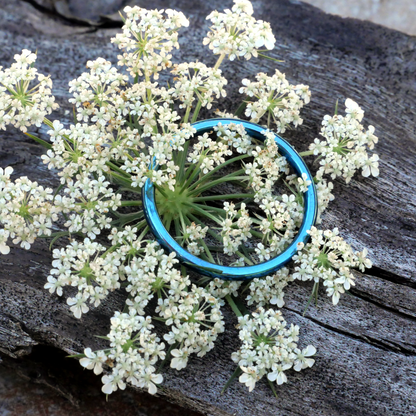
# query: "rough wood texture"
366,345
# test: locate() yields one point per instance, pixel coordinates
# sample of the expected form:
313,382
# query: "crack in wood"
367,298
383,345
389,276
359,374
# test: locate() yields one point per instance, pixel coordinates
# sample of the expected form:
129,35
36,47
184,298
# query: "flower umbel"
225,196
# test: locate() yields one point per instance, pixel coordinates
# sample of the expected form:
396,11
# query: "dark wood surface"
366,345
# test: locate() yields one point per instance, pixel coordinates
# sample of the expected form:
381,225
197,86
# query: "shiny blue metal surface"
227,272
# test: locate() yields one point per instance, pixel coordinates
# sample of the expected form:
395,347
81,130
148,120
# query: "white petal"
152,388
298,366
309,362
158,379
309,350
86,362
107,388
272,376
4,249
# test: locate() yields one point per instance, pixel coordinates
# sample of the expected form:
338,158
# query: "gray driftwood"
367,345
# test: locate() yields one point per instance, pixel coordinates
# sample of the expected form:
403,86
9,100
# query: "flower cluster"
197,79
269,348
269,289
275,97
221,288
20,105
131,130
80,265
267,166
134,351
235,136
343,151
236,33
236,227
194,318
97,94
329,258
195,324
148,38
26,211
88,203
193,235
207,153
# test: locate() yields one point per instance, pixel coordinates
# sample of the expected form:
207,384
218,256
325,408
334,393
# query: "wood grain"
366,361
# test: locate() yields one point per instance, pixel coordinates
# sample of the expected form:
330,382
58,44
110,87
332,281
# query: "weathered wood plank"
366,345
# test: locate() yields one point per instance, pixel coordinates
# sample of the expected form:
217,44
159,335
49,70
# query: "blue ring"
228,272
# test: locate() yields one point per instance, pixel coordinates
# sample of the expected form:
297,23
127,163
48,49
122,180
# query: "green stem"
240,110
117,169
209,208
234,307
220,59
205,214
124,219
216,169
313,294
188,111
236,374
192,176
182,160
248,261
177,227
211,259
272,387
256,234
306,153
227,178
159,189
48,122
124,181
145,231
196,112
167,222
45,144
221,197
130,203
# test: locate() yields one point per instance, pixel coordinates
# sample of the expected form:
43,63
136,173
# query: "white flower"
180,359
328,258
344,148
78,306
54,284
268,347
151,382
25,104
237,33
278,374
93,361
302,361
275,97
4,248
353,109
249,377
112,382
370,166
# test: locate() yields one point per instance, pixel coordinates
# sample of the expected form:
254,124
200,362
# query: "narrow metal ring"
228,272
